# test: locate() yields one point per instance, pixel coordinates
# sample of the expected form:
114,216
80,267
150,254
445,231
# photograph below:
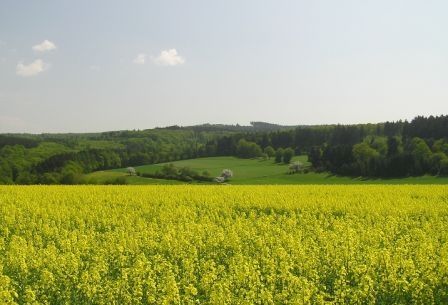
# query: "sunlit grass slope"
257,171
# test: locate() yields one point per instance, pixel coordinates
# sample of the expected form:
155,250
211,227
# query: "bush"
246,149
287,155
25,178
71,178
170,172
50,178
227,174
443,167
219,179
131,171
186,172
295,167
269,151
279,155
187,179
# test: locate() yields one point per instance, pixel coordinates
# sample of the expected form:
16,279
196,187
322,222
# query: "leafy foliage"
288,153
185,173
401,149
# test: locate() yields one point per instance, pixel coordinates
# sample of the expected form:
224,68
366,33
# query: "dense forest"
390,149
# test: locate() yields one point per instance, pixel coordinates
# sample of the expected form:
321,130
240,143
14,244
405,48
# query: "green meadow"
254,171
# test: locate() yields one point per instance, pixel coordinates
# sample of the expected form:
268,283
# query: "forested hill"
396,149
253,127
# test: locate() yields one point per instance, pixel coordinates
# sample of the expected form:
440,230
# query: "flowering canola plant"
374,244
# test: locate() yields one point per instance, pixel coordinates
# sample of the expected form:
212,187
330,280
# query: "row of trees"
401,149
185,173
247,149
386,149
303,139
383,157
54,159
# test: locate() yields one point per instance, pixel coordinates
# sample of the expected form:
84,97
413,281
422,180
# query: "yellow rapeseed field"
224,244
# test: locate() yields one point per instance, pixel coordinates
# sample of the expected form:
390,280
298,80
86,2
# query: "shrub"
295,167
287,155
269,151
279,155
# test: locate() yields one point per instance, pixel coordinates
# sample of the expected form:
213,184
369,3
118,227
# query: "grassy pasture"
256,171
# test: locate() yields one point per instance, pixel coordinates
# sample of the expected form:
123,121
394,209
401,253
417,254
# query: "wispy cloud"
44,46
140,59
95,68
31,69
169,58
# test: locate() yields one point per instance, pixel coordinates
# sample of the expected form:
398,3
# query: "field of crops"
224,244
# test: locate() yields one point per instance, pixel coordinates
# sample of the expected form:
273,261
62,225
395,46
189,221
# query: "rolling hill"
253,171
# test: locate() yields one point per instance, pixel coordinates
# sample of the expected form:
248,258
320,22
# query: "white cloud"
32,69
169,58
95,68
140,59
44,46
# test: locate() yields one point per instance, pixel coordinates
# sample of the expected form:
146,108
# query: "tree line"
403,149
390,149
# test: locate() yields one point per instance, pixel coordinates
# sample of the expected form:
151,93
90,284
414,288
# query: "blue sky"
78,66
